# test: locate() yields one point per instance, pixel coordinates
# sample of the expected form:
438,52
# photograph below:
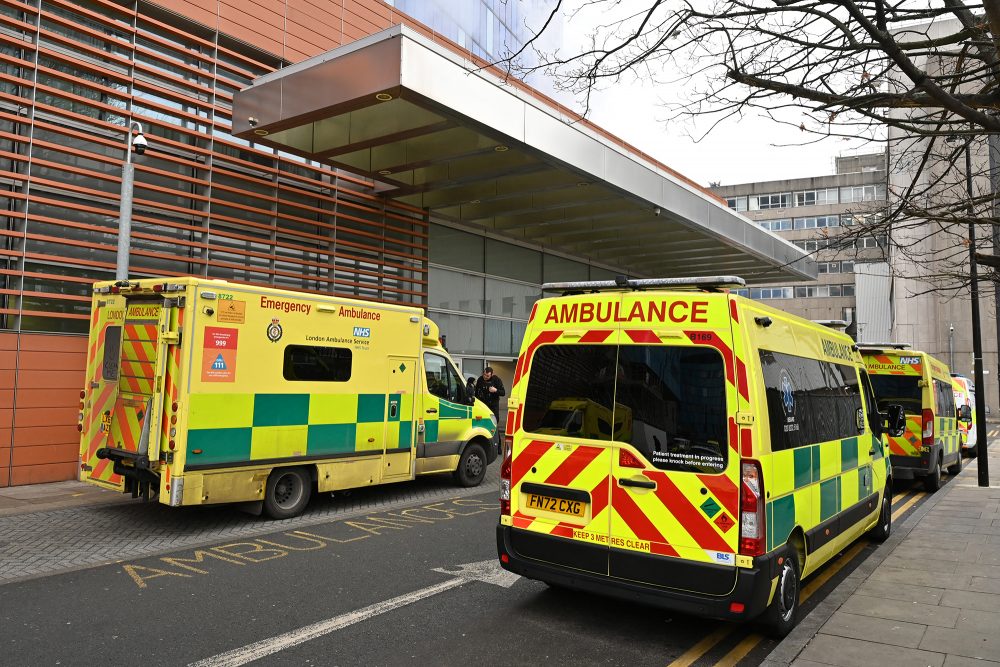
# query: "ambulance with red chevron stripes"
203,391
922,384
754,451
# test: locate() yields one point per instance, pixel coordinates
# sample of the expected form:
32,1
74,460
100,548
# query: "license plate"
575,508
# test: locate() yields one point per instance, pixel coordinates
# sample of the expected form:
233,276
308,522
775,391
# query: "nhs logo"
362,332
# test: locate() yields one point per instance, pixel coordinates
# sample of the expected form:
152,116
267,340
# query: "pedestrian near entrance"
489,389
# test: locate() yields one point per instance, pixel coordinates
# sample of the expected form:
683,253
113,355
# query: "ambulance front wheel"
471,466
882,530
287,492
782,614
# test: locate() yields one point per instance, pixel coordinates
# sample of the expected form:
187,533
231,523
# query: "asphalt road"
410,584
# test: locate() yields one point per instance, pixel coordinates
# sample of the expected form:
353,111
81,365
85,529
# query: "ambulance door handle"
871,452
641,483
431,410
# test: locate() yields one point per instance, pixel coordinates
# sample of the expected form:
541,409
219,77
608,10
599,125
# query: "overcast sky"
735,151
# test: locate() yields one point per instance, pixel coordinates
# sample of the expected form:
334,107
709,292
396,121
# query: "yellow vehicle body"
583,418
198,390
922,384
965,401
721,390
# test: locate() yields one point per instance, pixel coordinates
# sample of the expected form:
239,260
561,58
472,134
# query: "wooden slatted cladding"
72,74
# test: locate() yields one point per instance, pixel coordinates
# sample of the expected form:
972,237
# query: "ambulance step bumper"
134,468
752,589
908,467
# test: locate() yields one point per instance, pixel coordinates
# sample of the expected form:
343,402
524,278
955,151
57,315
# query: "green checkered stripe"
236,428
833,467
949,435
449,410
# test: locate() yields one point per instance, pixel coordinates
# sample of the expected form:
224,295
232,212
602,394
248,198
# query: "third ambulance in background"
922,385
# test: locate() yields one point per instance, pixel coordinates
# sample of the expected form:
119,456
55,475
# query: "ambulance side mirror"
893,420
965,413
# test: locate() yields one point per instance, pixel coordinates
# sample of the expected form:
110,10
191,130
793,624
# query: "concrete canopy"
435,131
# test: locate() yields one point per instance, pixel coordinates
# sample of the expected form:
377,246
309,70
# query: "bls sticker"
720,557
274,331
362,332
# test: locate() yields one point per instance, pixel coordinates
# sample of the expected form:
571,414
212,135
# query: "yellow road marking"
909,503
702,647
739,651
749,642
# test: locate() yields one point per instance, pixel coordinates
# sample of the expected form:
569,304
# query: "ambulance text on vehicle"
731,449
201,391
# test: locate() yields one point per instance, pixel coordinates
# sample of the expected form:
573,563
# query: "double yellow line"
901,504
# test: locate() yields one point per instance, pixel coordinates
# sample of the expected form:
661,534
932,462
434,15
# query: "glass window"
312,363
847,266
511,261
848,290
945,400
112,353
451,247
462,334
765,202
454,290
898,389
809,401
668,402
737,203
559,269
509,299
443,380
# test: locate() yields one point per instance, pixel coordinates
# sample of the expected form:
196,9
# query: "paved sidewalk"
57,495
929,596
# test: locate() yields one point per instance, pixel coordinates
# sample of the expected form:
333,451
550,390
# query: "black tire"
882,530
287,492
472,466
956,467
932,482
783,613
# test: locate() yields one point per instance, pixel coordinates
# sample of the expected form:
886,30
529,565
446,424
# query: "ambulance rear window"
668,402
899,389
312,363
112,353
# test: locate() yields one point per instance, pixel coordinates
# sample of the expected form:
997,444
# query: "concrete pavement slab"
897,633
903,592
963,642
832,650
971,600
962,661
912,612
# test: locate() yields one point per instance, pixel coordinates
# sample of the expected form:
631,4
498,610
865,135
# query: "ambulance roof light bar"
895,346
706,283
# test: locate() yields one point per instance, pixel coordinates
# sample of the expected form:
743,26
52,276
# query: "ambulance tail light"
928,434
752,528
158,288
505,470
627,459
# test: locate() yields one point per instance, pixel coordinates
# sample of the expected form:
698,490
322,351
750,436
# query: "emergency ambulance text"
837,350
649,311
284,306
612,540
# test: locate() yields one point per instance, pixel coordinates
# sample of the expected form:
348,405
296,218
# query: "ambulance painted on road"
752,456
202,391
922,385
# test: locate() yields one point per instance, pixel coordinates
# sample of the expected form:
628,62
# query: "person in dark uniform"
489,389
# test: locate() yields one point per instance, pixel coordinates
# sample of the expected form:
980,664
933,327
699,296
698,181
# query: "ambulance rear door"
674,481
101,390
562,458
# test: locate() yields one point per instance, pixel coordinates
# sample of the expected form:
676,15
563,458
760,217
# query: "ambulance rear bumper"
752,588
908,467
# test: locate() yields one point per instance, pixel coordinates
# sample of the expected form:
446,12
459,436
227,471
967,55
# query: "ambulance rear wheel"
287,492
783,613
932,482
472,466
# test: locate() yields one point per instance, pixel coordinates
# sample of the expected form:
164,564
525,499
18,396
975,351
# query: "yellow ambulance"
202,391
922,385
965,406
754,452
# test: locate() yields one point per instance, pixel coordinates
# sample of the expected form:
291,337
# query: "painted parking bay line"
488,571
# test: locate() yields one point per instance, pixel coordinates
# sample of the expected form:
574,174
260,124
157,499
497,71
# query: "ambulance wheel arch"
288,491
